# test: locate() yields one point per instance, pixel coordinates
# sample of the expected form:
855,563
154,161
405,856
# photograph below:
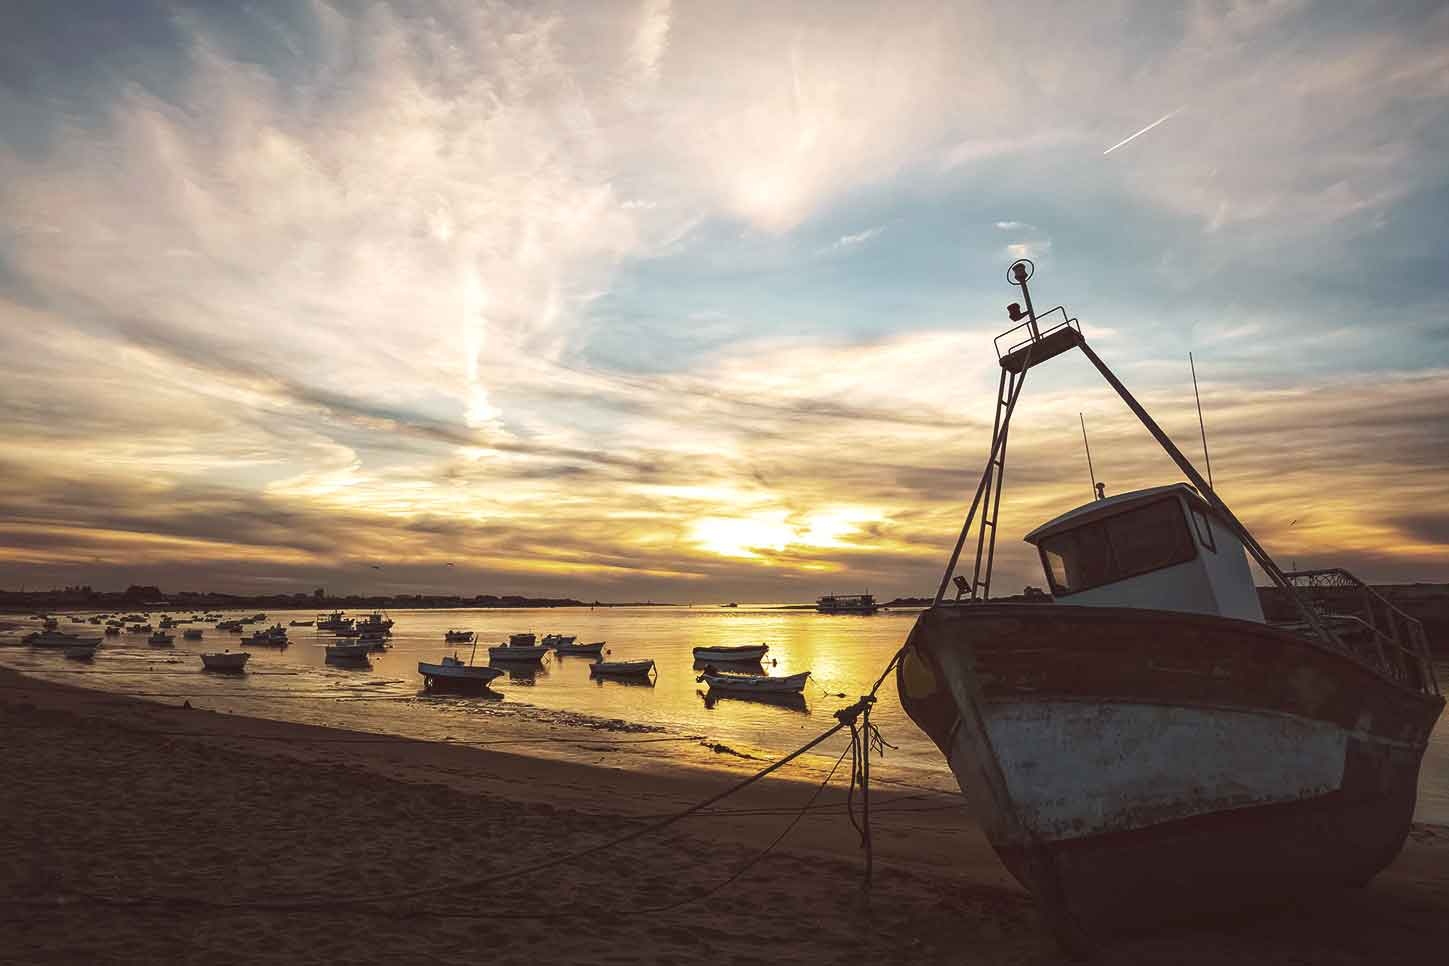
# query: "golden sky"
661,301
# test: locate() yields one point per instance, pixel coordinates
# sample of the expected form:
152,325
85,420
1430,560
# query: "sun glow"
754,536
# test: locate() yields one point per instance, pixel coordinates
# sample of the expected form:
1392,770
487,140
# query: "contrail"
1133,137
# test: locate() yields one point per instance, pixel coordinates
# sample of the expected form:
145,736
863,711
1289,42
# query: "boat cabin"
1162,548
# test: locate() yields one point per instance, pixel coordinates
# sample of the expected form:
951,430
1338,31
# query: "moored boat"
755,683
741,653
457,637
520,647
192,634
161,639
225,661
451,674
621,669
302,623
347,652
558,640
1146,747
581,650
82,652
847,604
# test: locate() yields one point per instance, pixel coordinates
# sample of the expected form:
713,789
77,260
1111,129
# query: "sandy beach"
109,799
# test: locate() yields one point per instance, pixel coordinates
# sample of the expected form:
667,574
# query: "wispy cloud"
293,289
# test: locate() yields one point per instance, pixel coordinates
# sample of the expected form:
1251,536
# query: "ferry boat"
1145,746
847,604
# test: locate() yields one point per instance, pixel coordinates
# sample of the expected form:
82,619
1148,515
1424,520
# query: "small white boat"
754,683
348,652
225,661
741,653
192,634
621,669
593,649
520,647
161,639
452,674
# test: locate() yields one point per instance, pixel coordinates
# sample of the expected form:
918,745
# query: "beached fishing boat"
457,637
755,683
520,647
161,639
741,653
1146,747
225,661
621,669
580,650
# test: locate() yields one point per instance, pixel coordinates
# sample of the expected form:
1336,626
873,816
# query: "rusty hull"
1135,767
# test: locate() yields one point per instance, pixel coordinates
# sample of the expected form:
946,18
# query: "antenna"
1202,427
1090,472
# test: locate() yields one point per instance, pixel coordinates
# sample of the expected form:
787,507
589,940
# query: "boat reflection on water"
444,698
526,673
790,702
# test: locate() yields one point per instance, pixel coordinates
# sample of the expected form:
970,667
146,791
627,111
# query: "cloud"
286,289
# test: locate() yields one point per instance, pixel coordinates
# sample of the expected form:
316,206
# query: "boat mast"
1037,348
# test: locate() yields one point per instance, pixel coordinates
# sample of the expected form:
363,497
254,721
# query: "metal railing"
1041,332
1398,640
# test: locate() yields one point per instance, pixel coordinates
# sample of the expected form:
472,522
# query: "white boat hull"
751,652
507,652
622,669
754,684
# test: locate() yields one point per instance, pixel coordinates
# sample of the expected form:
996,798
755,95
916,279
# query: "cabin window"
1137,541
1204,528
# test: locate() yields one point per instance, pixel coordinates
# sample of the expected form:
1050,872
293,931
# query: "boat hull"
470,679
524,653
744,654
1136,767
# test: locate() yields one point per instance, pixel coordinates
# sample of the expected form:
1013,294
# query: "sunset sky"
695,301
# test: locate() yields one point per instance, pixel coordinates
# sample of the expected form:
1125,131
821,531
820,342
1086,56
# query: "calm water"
628,725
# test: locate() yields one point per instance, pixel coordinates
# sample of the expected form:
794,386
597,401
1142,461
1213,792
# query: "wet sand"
107,796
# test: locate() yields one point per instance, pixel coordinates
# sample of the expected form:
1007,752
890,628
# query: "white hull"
754,684
506,652
472,672
752,652
605,669
1075,769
